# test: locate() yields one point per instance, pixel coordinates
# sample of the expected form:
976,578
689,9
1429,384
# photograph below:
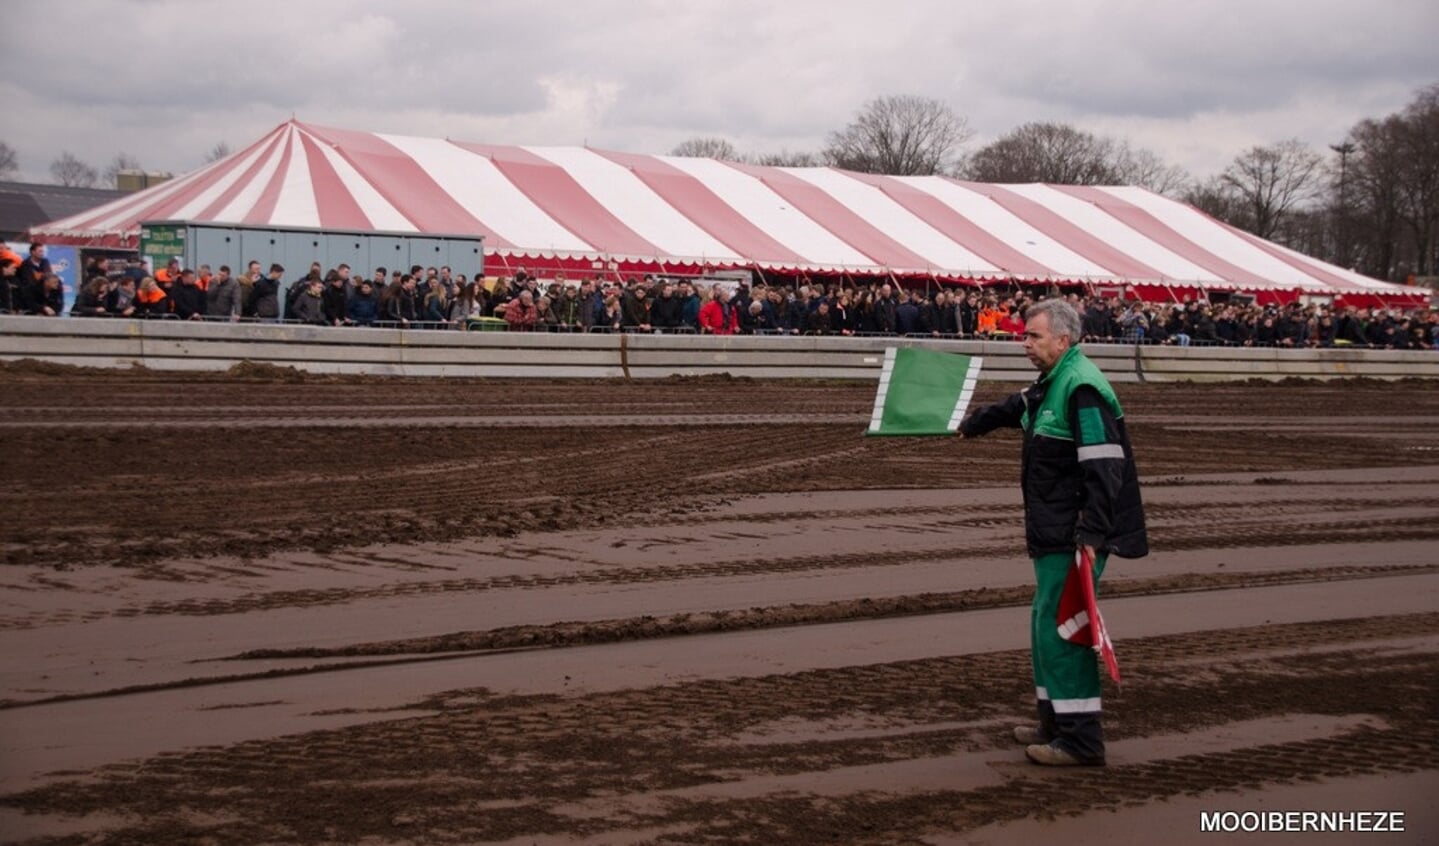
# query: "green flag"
923,392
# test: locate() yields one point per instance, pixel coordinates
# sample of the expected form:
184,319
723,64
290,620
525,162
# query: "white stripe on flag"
1074,624
884,376
971,378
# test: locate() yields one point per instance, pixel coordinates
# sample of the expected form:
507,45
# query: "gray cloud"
1197,83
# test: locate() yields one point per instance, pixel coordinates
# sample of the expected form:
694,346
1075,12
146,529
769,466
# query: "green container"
487,324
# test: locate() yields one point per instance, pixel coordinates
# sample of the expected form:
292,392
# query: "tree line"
71,171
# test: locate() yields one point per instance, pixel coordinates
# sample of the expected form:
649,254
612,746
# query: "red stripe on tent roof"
170,206
1160,233
1308,269
264,207
1068,234
957,227
693,199
208,213
402,182
558,195
836,217
336,205
141,207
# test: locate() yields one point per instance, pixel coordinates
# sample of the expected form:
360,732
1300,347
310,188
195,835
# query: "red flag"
1079,618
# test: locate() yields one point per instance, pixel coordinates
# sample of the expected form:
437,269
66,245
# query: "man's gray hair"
1063,319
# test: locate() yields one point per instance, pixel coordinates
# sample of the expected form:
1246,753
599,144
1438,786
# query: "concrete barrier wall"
175,345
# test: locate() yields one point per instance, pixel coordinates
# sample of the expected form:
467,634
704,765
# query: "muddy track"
490,768
367,548
103,494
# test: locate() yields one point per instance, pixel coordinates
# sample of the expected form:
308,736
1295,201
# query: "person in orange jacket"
987,323
150,299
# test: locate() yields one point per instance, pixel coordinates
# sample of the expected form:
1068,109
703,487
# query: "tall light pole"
1341,223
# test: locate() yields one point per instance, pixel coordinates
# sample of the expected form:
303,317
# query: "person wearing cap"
1081,491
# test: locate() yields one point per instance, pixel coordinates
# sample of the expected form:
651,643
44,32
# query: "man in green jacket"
1080,489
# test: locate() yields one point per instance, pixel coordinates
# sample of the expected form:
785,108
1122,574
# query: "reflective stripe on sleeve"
1091,453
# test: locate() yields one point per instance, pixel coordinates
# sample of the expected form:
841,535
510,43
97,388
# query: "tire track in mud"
485,767
564,634
650,627
382,482
1176,528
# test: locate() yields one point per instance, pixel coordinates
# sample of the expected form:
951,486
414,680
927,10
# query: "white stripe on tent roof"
632,202
482,190
295,205
378,210
1358,281
1195,226
241,204
203,200
1017,233
1108,229
770,212
879,210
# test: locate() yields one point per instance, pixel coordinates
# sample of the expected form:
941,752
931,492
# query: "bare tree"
1146,169
785,158
1046,152
1215,198
900,135
9,162
1374,178
1272,181
122,161
707,148
217,152
1419,191
69,170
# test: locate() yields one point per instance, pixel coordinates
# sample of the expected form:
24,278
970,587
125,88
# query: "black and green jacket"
1078,475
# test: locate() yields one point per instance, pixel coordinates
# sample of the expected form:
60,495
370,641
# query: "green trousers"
1066,675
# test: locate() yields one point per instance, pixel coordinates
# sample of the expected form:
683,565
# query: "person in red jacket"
718,316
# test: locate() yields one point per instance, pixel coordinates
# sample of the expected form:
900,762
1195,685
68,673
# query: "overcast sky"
1196,82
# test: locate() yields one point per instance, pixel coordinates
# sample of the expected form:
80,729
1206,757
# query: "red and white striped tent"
575,206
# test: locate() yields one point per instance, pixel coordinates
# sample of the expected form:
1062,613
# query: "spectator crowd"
435,298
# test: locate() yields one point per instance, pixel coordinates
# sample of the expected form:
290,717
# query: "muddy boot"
1053,755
